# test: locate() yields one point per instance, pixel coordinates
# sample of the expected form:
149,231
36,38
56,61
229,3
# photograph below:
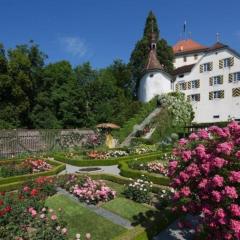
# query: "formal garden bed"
14,172
105,157
50,214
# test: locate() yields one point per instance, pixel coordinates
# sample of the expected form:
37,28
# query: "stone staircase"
140,127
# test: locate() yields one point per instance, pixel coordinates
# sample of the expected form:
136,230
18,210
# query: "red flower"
1,202
2,213
8,209
34,192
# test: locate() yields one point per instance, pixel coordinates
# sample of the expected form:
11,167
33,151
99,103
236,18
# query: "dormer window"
151,75
184,58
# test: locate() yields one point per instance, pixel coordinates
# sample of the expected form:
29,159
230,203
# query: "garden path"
100,211
104,169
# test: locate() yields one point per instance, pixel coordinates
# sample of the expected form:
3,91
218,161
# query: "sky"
100,31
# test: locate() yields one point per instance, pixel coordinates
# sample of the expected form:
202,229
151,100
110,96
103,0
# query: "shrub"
139,190
206,175
92,191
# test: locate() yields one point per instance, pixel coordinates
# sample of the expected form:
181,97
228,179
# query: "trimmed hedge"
99,162
58,167
126,171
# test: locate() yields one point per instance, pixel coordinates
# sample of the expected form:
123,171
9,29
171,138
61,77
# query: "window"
217,80
236,76
184,58
226,62
195,84
182,86
151,75
195,57
194,97
216,95
181,76
215,116
206,67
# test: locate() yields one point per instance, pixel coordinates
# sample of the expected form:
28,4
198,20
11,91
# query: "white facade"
215,96
181,60
153,83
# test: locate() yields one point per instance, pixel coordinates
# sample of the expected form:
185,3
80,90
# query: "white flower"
78,236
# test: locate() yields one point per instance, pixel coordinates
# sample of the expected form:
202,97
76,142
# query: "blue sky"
100,31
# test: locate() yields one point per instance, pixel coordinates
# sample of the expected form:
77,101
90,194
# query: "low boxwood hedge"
58,167
99,162
126,171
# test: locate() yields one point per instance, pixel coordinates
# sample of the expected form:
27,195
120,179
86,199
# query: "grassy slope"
81,220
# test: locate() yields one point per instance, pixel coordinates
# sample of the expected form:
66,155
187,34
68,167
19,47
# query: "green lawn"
81,220
126,208
119,188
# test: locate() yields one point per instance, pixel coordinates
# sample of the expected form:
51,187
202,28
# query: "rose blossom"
54,217
235,210
225,148
230,192
234,176
217,181
216,196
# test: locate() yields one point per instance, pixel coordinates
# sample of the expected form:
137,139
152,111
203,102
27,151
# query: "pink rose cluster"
206,175
157,167
92,191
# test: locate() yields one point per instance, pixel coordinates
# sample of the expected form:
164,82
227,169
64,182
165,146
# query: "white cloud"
74,46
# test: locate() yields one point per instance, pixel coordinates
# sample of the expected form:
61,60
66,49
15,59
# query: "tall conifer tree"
140,53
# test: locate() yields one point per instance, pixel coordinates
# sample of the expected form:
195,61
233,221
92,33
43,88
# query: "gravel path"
104,169
100,211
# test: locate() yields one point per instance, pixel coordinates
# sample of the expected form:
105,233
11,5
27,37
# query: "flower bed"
206,175
152,167
14,182
24,216
86,189
30,165
107,155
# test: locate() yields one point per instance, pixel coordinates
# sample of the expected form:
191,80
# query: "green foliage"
144,111
176,113
140,53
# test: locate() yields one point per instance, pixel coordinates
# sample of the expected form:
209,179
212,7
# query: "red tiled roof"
185,46
217,46
183,69
152,62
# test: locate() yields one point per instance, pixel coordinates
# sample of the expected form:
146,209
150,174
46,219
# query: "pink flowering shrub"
206,177
92,191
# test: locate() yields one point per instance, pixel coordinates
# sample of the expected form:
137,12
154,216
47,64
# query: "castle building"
209,77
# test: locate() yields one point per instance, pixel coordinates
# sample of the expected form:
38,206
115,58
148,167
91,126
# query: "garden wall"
15,142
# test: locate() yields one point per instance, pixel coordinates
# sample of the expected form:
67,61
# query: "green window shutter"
189,85
231,61
222,94
211,96
177,87
236,92
201,68
211,66
220,63
188,98
210,81
221,79
230,77
198,83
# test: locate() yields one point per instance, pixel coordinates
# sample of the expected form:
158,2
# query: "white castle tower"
155,80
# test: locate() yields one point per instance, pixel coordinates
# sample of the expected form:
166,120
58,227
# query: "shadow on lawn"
154,221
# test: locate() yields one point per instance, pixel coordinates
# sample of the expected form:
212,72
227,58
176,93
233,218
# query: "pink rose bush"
92,191
206,177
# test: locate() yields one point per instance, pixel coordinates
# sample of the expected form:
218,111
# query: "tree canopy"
140,53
